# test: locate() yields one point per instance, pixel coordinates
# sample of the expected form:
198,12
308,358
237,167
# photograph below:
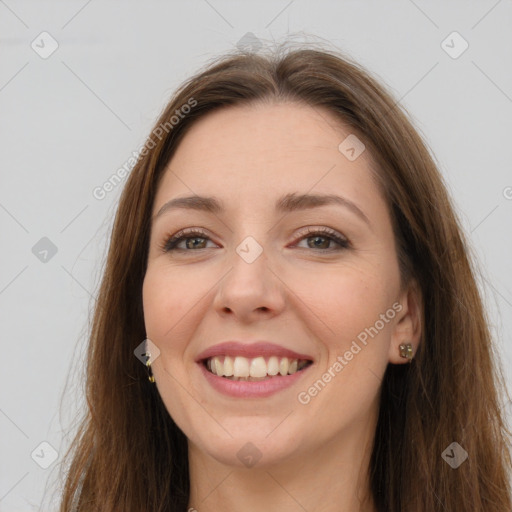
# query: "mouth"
252,370
255,369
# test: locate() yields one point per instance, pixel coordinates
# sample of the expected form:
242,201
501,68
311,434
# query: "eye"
189,236
322,238
196,239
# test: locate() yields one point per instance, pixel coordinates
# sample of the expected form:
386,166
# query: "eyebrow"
286,204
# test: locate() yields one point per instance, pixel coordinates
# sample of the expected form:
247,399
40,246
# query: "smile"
258,377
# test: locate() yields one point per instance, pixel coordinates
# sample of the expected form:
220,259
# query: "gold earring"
406,351
151,378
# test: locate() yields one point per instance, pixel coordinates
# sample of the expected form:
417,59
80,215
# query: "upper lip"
250,350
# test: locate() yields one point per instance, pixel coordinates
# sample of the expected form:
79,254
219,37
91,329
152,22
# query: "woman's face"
266,267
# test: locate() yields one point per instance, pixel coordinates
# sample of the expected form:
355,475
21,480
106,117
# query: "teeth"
218,366
284,364
273,366
258,367
228,369
240,368
255,369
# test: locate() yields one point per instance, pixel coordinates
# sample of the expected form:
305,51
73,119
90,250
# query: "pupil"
317,238
192,241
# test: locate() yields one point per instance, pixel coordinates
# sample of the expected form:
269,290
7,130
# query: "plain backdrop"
71,118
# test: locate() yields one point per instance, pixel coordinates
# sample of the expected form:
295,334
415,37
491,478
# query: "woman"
288,264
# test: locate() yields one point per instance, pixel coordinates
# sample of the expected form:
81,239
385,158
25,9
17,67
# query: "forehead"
261,150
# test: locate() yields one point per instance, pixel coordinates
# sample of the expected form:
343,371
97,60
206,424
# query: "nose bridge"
249,263
250,285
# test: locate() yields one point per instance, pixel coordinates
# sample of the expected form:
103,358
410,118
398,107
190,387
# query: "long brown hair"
129,454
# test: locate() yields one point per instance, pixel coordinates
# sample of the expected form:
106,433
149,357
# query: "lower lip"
251,389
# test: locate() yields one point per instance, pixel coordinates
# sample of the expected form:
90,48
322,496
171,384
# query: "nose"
250,291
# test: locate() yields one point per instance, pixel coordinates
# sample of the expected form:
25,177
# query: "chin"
248,451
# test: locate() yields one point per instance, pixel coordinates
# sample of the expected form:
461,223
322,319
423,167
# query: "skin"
314,456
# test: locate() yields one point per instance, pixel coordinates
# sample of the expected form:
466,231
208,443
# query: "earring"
151,378
406,351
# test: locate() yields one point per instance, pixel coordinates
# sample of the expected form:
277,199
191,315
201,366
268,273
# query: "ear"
408,323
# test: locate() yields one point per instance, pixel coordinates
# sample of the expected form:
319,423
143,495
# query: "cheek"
165,302
355,338
348,300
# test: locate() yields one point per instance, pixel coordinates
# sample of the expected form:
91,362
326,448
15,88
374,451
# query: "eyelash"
171,242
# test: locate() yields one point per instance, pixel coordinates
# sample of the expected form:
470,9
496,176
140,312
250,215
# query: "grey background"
69,121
